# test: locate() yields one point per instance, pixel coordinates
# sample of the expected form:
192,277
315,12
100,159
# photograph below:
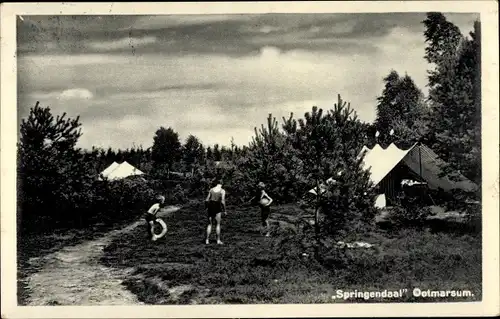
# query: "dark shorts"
214,208
265,211
149,218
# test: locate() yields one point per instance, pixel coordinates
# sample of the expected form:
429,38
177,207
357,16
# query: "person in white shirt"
150,216
215,204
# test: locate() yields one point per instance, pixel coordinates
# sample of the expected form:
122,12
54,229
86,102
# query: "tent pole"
432,199
420,160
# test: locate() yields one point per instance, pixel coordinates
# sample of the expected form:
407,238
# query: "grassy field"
250,268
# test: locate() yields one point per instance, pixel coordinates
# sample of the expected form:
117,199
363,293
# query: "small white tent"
123,170
108,170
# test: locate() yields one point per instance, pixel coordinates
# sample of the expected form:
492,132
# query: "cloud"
70,94
170,21
187,86
269,52
76,94
464,21
123,43
40,62
268,29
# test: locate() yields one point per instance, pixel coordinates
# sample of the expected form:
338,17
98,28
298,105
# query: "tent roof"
381,161
109,169
124,170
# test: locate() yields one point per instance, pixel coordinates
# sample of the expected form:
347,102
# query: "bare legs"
265,212
218,219
209,230
151,226
217,228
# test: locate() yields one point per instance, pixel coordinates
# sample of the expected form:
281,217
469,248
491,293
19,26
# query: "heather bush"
409,216
468,204
177,195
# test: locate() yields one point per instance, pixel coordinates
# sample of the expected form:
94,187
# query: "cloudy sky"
214,76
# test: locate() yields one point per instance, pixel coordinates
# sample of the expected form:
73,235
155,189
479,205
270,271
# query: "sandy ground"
74,276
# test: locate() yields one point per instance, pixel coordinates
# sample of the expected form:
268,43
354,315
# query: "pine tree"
348,203
52,170
166,149
329,144
192,152
269,158
385,110
454,131
209,155
217,156
400,109
442,38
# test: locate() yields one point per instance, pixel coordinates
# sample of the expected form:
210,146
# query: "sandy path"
74,276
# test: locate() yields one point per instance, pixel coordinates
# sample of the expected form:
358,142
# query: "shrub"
413,216
178,195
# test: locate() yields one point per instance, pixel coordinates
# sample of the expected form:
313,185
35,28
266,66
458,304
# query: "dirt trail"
74,276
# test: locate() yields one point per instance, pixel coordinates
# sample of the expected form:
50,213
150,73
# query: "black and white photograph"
251,158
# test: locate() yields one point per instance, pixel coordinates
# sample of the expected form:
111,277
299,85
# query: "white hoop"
163,231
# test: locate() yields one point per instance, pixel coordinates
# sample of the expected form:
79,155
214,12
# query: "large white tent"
120,171
419,160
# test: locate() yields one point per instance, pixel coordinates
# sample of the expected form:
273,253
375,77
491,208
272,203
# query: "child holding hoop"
150,216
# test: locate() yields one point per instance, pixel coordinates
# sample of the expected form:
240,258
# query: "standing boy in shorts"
215,204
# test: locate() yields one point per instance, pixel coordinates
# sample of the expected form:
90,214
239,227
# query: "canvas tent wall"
426,163
122,171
